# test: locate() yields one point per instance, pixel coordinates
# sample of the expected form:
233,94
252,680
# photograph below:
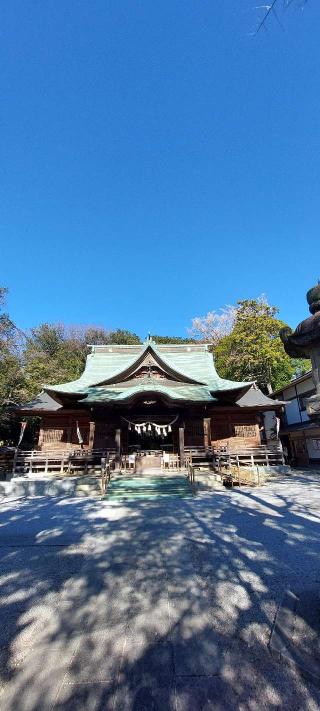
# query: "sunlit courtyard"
155,604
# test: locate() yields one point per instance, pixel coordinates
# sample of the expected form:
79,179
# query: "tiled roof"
195,393
190,364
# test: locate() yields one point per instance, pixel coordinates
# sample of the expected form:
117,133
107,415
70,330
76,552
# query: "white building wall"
305,386
292,412
292,409
289,393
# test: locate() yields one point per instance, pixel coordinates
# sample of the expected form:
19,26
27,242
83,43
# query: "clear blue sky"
157,161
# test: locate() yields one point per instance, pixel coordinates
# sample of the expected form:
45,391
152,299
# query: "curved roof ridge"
152,347
190,365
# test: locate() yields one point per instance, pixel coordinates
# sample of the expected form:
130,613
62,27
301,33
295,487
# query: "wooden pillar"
92,427
118,441
69,436
181,447
207,432
41,437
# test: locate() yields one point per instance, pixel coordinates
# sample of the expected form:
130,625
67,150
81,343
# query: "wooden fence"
237,462
66,462
61,462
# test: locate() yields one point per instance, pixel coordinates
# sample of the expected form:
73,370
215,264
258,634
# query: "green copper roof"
194,393
192,366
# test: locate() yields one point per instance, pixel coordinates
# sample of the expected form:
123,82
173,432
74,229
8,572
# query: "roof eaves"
291,383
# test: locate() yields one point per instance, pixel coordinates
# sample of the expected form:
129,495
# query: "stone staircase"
152,484
148,487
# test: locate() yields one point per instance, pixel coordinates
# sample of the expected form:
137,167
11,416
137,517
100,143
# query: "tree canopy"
253,349
172,339
55,353
11,372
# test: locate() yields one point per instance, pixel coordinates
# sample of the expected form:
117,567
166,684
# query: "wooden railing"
63,462
6,460
66,462
259,456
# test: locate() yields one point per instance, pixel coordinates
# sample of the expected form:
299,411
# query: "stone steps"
148,487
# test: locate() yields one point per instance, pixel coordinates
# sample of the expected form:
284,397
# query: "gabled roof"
189,364
113,375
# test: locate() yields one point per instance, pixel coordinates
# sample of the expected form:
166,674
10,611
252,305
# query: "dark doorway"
149,440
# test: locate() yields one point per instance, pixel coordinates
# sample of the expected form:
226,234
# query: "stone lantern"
304,342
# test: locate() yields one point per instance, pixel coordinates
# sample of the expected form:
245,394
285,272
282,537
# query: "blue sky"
157,161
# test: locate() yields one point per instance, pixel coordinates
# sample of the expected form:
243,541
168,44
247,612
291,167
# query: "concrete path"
155,605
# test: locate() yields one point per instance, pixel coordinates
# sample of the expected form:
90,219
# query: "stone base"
207,480
48,486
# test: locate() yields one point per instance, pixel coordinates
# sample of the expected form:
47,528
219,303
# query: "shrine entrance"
143,438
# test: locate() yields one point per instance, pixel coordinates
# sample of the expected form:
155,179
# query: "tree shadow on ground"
153,605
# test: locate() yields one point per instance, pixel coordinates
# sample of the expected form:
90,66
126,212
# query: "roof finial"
149,339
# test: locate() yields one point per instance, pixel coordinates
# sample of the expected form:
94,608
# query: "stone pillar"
271,426
313,402
207,432
92,427
181,447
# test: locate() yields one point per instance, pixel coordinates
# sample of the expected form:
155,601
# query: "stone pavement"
155,605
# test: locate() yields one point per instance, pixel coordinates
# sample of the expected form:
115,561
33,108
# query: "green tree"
55,353
172,339
11,373
122,337
253,350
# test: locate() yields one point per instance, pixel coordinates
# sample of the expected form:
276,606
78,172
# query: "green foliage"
57,354
11,373
122,337
254,351
49,354
172,339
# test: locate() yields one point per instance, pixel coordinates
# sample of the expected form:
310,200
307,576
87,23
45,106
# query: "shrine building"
151,397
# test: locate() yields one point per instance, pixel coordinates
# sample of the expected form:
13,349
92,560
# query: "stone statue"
304,342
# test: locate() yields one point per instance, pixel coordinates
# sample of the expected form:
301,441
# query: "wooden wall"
60,432
235,429
194,433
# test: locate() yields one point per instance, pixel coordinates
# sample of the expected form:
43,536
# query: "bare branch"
269,10
214,325
272,9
